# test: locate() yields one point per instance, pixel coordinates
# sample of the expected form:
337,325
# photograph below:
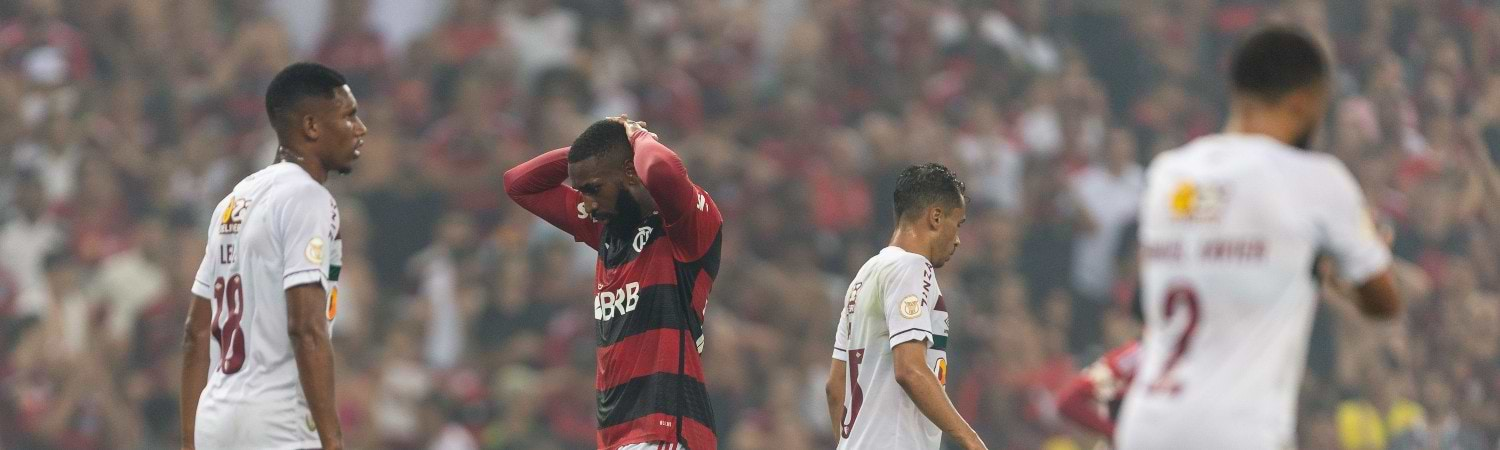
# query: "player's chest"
641,254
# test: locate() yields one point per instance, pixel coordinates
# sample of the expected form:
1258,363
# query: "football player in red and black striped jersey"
658,237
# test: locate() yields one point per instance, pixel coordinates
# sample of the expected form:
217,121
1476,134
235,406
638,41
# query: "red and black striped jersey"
651,281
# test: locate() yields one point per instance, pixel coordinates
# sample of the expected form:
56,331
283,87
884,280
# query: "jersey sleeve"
691,217
908,315
537,185
203,281
841,339
1347,229
306,224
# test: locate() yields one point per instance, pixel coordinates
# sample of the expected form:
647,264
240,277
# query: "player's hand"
971,442
631,126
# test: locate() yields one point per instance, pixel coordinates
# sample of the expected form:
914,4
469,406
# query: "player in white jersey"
258,367
1231,226
890,360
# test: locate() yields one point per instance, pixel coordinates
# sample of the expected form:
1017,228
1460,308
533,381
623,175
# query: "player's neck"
1259,119
912,241
313,166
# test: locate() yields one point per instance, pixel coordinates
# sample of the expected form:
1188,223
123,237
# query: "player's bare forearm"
835,391
194,365
664,176
921,385
307,325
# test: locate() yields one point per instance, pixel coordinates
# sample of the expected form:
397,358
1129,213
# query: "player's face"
602,185
947,240
343,133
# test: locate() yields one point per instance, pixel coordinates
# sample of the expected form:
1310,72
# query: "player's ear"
309,125
935,218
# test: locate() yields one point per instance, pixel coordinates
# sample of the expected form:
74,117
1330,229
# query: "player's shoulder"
1247,151
893,261
896,257
288,182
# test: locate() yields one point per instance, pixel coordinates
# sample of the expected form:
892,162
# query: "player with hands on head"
657,234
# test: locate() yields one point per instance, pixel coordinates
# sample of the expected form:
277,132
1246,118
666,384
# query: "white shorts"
653,446
254,426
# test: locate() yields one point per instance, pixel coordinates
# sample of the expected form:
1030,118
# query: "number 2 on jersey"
1179,298
229,299
856,395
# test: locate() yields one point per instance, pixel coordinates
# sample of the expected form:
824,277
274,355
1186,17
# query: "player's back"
275,230
893,299
1230,228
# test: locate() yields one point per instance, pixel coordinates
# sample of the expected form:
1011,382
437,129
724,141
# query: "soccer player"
1093,397
658,240
1231,224
894,397
267,288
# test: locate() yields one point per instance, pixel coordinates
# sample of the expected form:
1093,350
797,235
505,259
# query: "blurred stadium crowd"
464,322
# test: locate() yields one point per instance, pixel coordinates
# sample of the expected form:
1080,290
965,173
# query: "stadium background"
464,322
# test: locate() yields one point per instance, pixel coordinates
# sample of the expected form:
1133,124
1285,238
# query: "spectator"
25,240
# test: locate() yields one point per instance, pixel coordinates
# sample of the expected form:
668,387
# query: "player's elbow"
1378,298
307,334
511,181
910,376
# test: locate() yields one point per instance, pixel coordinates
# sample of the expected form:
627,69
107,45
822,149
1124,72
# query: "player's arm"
909,320
922,386
307,227
537,185
195,344
664,176
307,325
1350,236
835,391
196,340
1079,401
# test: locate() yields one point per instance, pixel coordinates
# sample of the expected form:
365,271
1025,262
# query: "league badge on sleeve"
314,251
911,307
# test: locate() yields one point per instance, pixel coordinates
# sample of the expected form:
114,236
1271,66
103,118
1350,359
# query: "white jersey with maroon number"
894,299
1230,227
276,230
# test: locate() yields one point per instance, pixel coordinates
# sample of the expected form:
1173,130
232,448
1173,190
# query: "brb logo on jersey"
608,304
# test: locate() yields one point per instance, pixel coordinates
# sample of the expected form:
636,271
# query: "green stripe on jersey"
939,342
333,272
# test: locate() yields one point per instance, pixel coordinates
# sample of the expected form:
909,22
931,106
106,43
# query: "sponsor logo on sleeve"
234,215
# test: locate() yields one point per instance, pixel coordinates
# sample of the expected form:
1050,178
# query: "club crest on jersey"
1197,202
642,235
314,251
234,215
911,307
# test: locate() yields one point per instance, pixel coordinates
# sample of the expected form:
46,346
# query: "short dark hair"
1275,61
603,137
923,186
295,83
